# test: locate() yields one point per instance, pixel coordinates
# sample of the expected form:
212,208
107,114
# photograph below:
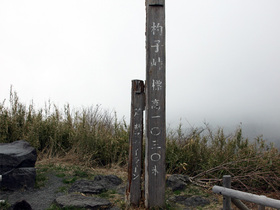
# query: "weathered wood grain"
135,143
226,199
155,104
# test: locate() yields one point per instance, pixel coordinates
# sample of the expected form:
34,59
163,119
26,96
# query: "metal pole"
261,207
260,200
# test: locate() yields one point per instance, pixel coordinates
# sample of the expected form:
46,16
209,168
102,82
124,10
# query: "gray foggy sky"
223,57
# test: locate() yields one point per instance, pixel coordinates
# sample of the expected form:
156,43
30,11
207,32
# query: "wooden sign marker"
133,193
155,104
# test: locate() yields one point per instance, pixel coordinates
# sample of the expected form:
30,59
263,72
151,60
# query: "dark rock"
19,178
98,185
39,198
21,205
18,154
177,182
108,180
121,189
80,201
17,161
191,201
87,187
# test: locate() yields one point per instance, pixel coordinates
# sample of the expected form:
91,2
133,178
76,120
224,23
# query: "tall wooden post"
135,143
155,104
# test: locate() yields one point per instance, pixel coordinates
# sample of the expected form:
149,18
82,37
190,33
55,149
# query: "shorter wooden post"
226,199
239,204
1,201
133,191
261,207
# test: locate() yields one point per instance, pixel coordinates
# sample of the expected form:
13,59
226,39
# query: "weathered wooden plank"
155,105
135,143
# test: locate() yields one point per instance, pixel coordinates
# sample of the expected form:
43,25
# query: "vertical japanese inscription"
135,142
155,104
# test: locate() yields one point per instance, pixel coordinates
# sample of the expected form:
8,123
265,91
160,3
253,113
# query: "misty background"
223,65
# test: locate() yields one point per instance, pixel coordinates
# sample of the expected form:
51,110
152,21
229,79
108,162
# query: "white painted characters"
157,84
154,170
156,28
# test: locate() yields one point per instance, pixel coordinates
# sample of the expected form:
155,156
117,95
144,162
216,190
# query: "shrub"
96,137
207,157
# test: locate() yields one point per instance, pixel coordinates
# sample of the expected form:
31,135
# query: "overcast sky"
223,57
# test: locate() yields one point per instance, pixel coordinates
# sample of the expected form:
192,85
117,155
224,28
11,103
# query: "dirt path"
39,199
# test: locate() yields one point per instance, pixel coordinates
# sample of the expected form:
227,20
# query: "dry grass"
94,139
70,161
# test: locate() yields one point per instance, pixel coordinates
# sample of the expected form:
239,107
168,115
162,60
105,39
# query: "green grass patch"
60,175
107,194
81,174
41,178
62,189
69,180
4,205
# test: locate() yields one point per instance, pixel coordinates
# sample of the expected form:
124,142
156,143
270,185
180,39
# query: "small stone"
108,180
87,187
98,185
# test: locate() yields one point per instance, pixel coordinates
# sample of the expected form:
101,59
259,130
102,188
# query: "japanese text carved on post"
135,143
155,104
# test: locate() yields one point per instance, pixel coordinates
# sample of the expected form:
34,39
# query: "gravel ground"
39,199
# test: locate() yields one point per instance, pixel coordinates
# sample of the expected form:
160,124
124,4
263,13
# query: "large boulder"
19,178
18,154
17,161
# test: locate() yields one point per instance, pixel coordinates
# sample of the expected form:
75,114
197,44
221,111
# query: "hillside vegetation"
95,137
